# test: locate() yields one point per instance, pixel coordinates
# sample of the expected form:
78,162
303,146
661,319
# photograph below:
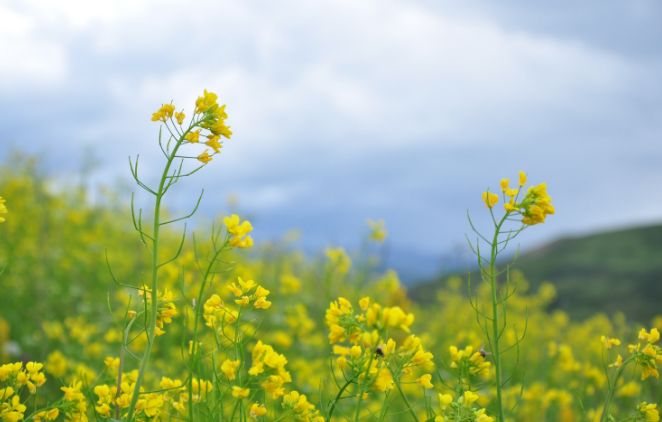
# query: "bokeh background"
348,110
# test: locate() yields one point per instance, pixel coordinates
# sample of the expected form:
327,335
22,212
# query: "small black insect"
379,352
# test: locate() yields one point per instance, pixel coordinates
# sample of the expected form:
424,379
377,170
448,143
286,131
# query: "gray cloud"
345,111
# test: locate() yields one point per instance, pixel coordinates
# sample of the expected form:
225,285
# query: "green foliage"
615,271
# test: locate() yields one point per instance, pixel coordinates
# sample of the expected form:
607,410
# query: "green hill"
611,271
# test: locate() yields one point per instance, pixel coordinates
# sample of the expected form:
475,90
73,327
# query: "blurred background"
344,111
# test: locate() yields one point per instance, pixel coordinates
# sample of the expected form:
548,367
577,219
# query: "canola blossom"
3,209
170,326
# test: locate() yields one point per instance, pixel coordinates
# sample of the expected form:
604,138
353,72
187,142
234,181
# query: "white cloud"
27,58
372,104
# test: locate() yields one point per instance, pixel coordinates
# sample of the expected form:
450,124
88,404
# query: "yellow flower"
206,102
193,137
522,178
355,351
469,398
204,157
239,231
609,342
72,392
536,205
649,371
630,389
490,199
649,411
256,410
481,416
112,363
425,381
48,415
618,363
384,381
3,209
239,393
339,259
229,368
164,113
213,142
377,231
510,206
262,303
651,337
445,400
364,302
180,116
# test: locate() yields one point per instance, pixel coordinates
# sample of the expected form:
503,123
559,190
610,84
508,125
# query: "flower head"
3,209
490,199
164,113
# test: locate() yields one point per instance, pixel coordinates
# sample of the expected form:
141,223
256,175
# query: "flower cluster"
150,406
368,353
377,230
648,412
534,207
208,121
3,209
339,260
13,378
268,369
238,231
249,292
216,314
461,409
301,408
75,408
469,362
345,324
646,353
166,307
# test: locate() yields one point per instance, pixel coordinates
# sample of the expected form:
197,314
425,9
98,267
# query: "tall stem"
335,401
612,390
151,326
404,399
495,318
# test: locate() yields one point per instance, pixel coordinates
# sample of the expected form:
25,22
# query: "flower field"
114,312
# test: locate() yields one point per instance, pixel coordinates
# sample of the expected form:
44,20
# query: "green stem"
360,387
359,400
382,412
612,389
404,398
335,400
495,318
151,327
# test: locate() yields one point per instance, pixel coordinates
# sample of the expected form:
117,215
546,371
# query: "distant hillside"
610,271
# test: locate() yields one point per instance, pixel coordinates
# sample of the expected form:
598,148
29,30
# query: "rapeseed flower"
609,342
257,410
229,368
163,113
490,199
649,411
377,230
204,157
238,231
3,209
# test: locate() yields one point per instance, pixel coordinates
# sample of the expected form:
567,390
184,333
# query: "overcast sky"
347,110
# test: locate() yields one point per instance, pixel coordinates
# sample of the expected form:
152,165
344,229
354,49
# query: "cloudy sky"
347,110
